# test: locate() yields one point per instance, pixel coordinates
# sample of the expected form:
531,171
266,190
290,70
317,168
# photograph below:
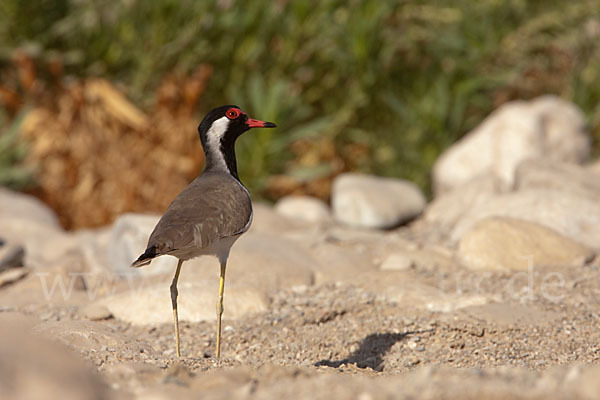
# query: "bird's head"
219,131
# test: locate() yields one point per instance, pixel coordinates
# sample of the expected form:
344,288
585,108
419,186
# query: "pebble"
415,346
397,262
96,312
305,208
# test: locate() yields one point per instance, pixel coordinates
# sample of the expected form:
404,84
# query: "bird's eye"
232,113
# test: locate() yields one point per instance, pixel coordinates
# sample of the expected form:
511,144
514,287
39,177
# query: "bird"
212,212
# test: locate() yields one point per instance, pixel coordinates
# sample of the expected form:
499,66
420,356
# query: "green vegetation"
12,153
403,78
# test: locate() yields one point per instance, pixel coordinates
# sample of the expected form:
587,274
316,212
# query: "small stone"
96,312
397,262
306,208
477,331
415,346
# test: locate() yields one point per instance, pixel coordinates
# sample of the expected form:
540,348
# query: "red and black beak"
254,123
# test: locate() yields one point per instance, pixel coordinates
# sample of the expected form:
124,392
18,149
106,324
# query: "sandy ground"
340,338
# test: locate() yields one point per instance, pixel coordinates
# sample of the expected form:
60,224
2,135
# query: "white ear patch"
213,140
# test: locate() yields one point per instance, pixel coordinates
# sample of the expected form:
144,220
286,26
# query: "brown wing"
213,206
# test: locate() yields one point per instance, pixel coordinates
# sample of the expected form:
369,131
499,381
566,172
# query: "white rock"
508,244
196,302
375,202
27,209
93,247
259,264
571,215
305,208
127,241
569,178
546,127
44,246
266,220
266,262
26,221
114,250
397,262
445,210
96,312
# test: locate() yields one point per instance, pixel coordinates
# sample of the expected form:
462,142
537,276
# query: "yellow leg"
220,307
174,302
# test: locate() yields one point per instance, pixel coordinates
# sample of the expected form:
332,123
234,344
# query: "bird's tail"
145,258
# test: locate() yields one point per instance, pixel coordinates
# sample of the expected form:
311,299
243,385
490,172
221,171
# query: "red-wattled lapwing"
209,215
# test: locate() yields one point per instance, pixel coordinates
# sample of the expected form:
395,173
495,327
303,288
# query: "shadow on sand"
371,351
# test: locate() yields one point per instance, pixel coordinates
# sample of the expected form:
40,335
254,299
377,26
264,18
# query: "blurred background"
100,100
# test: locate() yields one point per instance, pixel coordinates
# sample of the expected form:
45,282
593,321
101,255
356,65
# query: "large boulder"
26,209
570,214
127,241
259,265
26,221
265,262
266,220
258,260
114,248
445,210
375,202
568,178
546,127
196,302
508,244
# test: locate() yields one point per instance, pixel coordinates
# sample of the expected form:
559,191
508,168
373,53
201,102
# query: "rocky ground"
488,291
